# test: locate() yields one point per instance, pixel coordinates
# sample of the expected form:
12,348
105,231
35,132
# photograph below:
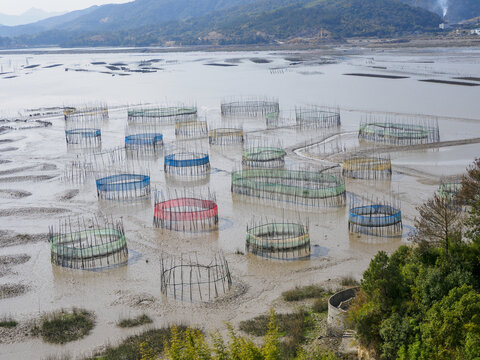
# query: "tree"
438,222
271,349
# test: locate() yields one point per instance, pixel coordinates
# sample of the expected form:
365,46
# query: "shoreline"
334,46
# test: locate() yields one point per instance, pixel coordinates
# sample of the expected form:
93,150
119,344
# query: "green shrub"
301,293
139,320
65,326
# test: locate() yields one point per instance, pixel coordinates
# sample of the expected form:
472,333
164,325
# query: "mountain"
453,10
29,16
156,22
44,25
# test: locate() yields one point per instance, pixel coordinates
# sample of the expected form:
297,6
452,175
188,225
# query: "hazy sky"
19,6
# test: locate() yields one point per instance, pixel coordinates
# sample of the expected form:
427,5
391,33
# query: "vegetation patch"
320,305
349,281
139,320
12,290
8,323
292,326
304,292
134,347
65,326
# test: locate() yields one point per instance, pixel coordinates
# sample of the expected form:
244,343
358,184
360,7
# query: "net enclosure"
145,141
280,240
310,188
316,116
162,115
188,279
123,187
377,219
84,138
449,189
186,213
94,112
87,245
369,167
263,157
226,136
400,132
189,129
187,163
249,107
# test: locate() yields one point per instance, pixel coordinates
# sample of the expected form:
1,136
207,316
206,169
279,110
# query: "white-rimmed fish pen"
317,117
249,106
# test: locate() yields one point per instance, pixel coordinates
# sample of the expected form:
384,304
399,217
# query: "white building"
475,32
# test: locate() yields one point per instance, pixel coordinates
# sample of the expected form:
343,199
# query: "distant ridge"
29,16
190,22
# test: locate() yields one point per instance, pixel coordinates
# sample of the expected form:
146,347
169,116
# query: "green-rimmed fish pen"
400,131
87,245
278,240
319,188
162,115
263,157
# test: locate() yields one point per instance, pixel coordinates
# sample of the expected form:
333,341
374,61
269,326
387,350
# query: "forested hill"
454,10
242,22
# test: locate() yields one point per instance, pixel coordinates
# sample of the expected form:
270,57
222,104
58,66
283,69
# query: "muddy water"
37,158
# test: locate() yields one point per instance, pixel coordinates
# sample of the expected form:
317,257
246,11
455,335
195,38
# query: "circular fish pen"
400,133
187,164
189,129
278,240
146,142
368,167
377,220
225,136
326,188
186,213
84,138
188,279
449,190
97,112
317,117
88,248
162,115
249,107
123,187
263,157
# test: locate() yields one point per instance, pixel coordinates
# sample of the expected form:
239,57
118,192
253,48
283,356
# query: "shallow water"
37,158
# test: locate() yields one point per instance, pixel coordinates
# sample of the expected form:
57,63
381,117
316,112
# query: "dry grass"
65,326
139,320
305,292
349,281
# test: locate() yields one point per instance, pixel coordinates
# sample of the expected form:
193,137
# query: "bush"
301,293
153,343
139,320
348,281
65,326
320,305
8,323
